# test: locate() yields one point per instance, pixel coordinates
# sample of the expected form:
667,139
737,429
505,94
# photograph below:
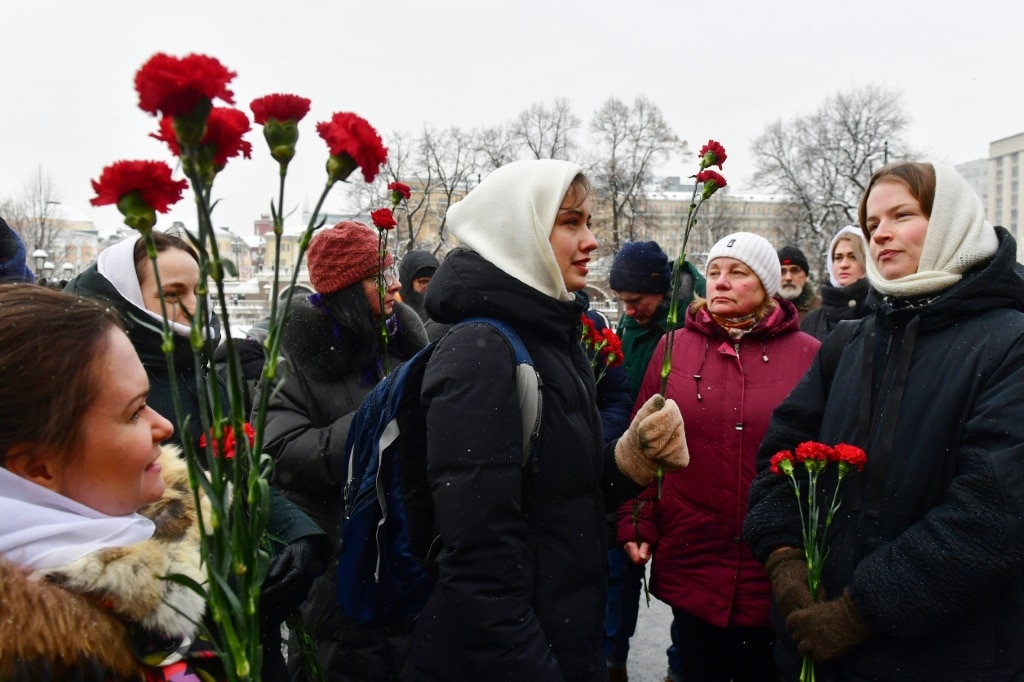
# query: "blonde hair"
856,244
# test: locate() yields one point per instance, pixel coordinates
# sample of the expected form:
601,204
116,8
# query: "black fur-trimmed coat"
72,622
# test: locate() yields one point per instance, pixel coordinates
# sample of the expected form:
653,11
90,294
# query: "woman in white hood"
522,581
846,296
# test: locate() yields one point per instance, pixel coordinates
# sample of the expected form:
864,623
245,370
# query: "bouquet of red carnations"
602,346
816,458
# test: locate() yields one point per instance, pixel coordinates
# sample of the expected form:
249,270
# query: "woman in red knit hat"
332,343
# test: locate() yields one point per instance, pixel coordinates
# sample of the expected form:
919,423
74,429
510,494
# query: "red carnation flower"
224,130
712,154
383,219
229,440
221,140
708,176
352,137
279,107
782,463
399,190
612,351
812,450
151,179
851,455
712,182
173,87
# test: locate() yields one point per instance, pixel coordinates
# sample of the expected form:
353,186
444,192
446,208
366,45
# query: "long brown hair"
49,344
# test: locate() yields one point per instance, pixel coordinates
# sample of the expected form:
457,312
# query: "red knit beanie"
343,255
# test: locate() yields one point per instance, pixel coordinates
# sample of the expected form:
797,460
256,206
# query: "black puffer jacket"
837,304
522,575
930,537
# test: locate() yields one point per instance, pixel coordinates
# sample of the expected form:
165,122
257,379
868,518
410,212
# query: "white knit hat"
756,252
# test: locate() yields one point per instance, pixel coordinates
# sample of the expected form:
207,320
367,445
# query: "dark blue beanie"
13,261
641,267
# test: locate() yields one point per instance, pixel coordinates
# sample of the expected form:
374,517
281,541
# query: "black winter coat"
306,428
930,537
521,590
837,304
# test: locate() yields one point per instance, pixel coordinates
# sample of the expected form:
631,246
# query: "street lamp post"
39,256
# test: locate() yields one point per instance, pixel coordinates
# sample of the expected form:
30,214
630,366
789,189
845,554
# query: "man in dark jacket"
641,277
795,286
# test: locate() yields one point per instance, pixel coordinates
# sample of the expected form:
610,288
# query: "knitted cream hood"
958,238
508,217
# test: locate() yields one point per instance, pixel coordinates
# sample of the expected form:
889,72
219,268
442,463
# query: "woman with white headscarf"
845,296
924,577
521,584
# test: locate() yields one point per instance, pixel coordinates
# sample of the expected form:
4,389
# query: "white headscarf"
508,217
854,234
42,529
117,264
958,238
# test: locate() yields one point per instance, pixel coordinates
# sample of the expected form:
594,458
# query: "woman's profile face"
179,277
392,285
734,290
114,469
572,241
847,268
897,225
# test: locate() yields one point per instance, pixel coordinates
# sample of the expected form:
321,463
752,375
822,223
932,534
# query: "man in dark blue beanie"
13,261
641,276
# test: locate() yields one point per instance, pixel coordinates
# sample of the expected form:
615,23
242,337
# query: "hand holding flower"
787,572
828,630
655,437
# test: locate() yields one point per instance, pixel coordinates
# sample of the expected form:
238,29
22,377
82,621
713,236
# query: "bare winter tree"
450,155
35,215
405,164
496,146
824,160
630,143
547,133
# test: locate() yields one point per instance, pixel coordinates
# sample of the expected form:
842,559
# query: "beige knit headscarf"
958,238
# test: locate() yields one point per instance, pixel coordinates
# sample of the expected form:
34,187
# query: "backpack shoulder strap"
528,385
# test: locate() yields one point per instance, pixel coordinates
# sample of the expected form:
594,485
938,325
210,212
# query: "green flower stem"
382,253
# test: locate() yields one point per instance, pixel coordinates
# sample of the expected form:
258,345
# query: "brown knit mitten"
787,571
828,630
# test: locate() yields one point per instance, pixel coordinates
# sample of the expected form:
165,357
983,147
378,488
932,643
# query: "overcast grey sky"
717,70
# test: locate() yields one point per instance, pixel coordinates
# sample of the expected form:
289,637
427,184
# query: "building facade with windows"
1006,184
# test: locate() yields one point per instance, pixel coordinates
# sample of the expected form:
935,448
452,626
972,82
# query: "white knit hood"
508,217
957,239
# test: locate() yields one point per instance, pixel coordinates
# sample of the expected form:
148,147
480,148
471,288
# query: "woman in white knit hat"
924,578
738,355
521,583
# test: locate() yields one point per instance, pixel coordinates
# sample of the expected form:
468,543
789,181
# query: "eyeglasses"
390,277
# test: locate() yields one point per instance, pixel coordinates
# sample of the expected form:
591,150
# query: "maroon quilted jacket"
726,391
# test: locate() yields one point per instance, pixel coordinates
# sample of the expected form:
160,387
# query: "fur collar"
129,579
309,342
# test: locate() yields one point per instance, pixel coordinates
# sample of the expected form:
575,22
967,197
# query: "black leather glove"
291,574
787,571
828,630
